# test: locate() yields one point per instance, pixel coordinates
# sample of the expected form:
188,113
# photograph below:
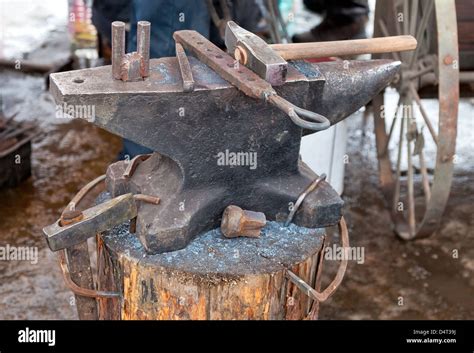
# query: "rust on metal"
147,198
240,76
95,219
331,288
143,46
79,270
434,68
133,66
70,217
185,69
118,48
252,51
83,292
246,80
303,195
237,222
133,164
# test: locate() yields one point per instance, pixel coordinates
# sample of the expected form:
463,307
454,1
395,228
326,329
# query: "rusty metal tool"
269,61
75,262
76,227
185,68
303,195
246,80
237,222
93,220
131,66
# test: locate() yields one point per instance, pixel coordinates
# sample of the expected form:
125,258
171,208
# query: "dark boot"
333,29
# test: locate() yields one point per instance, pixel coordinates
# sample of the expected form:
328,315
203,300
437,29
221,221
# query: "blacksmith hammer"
269,60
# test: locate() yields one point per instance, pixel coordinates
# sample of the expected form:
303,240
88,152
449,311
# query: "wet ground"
66,155
424,279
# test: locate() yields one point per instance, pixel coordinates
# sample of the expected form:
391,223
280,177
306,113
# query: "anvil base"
185,212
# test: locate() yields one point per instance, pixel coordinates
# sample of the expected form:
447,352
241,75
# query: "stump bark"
213,278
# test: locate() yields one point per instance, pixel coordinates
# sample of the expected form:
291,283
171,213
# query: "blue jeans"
166,17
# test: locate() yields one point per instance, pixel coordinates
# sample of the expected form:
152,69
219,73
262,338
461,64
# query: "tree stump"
213,278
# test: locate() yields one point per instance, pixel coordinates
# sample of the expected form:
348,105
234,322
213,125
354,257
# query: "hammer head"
253,52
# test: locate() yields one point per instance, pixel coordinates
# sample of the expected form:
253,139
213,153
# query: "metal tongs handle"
319,123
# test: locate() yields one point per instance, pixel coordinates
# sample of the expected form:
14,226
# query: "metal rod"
411,197
301,198
147,198
143,46
423,113
396,194
331,288
118,47
419,33
392,126
185,69
83,292
424,176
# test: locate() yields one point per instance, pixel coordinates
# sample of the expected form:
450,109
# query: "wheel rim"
406,196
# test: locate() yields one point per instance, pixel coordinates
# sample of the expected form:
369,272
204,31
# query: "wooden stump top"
211,253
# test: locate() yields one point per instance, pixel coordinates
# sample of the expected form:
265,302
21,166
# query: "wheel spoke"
424,176
413,16
423,113
392,126
383,28
421,72
406,28
395,14
396,195
421,30
411,197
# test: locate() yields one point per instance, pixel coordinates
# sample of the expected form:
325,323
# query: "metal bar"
424,176
245,79
303,195
147,198
314,312
396,195
331,288
79,271
118,48
421,29
423,113
411,197
185,69
133,164
466,77
143,46
413,16
83,292
392,126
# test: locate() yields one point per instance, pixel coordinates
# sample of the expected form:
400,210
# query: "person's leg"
166,17
343,19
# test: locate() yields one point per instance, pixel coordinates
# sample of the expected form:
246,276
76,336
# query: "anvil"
204,141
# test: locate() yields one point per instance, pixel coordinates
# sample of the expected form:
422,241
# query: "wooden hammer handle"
297,51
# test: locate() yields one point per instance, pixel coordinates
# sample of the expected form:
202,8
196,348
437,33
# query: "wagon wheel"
415,145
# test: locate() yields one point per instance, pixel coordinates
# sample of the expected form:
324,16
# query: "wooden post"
213,278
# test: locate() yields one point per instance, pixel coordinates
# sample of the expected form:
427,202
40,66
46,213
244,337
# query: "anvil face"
215,146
